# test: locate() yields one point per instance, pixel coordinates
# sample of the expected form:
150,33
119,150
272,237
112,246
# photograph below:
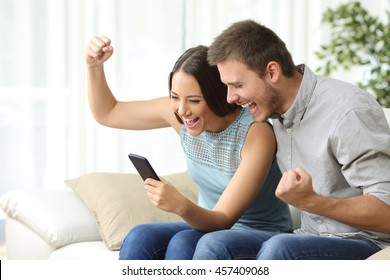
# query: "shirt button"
288,130
289,157
319,222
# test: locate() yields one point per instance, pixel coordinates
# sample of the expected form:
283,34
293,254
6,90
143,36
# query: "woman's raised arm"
133,115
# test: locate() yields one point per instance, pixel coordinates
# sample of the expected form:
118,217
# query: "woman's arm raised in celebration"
133,115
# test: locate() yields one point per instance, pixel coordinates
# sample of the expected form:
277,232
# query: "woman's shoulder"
260,134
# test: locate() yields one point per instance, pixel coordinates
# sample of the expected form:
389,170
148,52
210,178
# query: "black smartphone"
143,167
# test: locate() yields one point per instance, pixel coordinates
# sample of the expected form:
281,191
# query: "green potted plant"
358,39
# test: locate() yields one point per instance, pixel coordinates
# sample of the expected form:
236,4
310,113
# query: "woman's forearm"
205,220
100,98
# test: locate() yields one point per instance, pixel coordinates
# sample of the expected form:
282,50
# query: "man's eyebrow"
233,83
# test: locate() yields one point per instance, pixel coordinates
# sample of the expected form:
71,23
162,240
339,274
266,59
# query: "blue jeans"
177,241
149,241
231,244
305,247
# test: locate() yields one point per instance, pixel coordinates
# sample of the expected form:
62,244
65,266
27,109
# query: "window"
47,131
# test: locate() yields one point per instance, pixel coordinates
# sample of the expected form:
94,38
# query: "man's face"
247,89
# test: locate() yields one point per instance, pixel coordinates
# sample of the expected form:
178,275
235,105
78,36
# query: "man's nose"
231,96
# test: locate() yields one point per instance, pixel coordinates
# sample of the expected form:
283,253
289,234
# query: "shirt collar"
295,113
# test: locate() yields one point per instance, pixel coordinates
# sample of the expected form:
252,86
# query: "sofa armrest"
23,243
57,216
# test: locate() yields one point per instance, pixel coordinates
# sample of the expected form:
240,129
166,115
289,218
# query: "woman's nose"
182,109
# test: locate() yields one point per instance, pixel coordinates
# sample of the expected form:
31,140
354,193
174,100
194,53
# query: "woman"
229,157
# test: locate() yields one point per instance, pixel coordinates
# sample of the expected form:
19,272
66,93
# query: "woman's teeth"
191,122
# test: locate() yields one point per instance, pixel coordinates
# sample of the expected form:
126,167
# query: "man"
333,147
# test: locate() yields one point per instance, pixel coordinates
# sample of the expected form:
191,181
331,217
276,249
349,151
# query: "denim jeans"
231,244
305,247
177,241
149,241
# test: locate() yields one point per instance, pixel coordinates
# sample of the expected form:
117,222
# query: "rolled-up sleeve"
364,159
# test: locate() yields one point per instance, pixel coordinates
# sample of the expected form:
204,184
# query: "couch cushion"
43,211
119,202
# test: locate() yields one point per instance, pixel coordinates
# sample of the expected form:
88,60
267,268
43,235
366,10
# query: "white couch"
88,218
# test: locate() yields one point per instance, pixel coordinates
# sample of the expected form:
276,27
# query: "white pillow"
51,214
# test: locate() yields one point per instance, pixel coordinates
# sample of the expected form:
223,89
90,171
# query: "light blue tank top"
212,159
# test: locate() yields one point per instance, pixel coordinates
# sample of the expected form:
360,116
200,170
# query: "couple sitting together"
259,134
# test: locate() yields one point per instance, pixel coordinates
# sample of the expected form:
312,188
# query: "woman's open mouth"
191,123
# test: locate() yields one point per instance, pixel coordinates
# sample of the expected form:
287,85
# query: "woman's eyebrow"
189,96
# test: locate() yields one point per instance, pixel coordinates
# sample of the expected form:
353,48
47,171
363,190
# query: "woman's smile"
191,123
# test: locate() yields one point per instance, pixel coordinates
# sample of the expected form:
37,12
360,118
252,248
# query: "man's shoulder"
342,96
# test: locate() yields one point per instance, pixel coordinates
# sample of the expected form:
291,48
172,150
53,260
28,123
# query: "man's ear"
273,71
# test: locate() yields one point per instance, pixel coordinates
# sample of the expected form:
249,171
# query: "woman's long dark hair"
194,62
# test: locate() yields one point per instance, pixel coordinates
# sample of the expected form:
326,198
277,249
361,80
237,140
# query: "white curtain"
47,133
